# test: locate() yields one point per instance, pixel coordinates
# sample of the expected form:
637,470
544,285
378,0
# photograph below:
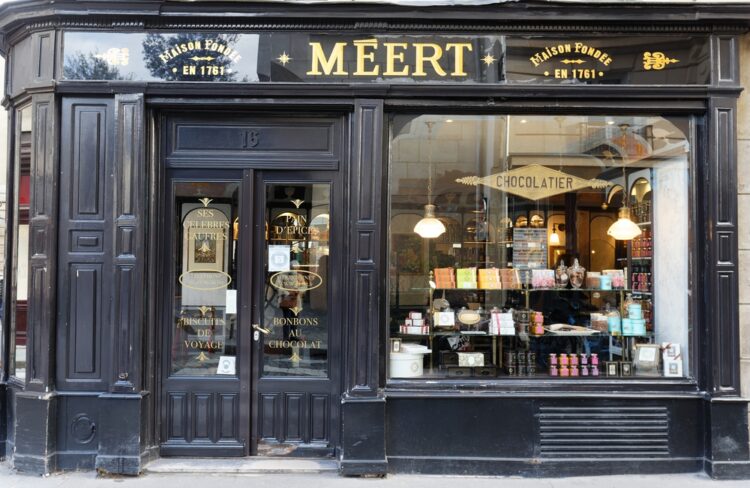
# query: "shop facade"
492,240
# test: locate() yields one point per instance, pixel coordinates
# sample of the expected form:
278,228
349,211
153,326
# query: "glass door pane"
206,228
295,309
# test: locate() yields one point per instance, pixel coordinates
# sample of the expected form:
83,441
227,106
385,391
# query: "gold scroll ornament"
534,182
657,61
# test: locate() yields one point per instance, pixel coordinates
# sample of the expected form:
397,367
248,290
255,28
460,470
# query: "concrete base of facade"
255,465
540,468
728,470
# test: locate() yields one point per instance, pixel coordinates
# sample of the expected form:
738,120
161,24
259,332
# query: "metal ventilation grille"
603,432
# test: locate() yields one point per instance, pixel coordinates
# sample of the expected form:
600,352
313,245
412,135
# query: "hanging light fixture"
554,238
429,227
624,229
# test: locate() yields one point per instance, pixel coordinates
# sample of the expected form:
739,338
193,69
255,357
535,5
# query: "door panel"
297,322
203,410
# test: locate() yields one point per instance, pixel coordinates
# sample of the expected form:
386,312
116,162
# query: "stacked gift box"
501,323
415,324
445,278
489,279
466,277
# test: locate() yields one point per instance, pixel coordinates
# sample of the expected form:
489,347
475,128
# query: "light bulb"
554,238
429,227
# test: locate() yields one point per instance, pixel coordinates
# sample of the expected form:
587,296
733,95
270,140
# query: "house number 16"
252,138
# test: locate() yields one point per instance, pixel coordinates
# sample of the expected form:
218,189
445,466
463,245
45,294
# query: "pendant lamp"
624,229
429,227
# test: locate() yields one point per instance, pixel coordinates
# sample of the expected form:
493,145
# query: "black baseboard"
76,461
31,464
540,468
728,470
362,467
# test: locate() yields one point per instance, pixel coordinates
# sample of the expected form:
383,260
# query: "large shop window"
539,246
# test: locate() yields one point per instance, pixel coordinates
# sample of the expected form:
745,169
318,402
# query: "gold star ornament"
489,59
284,58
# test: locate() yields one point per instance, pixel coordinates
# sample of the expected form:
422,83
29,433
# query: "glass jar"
577,274
561,275
614,324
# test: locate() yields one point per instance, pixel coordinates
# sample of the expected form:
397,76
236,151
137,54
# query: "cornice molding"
76,23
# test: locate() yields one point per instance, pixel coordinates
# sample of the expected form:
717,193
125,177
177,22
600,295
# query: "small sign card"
226,365
278,258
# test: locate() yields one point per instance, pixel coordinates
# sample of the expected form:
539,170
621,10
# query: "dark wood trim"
722,266
129,260
363,252
42,245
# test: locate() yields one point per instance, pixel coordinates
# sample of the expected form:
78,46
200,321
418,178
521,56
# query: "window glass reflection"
204,339
295,311
528,246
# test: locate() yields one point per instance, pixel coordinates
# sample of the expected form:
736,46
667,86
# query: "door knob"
258,327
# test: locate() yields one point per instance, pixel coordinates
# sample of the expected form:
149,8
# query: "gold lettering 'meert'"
420,58
363,55
319,59
458,67
391,56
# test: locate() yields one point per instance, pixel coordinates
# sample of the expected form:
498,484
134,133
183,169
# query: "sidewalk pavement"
89,479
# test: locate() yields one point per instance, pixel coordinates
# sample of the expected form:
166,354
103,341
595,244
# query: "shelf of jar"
642,258
456,333
527,289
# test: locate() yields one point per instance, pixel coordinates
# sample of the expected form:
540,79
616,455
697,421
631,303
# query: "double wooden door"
251,327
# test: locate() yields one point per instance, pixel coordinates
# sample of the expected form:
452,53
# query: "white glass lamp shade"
429,227
624,229
554,238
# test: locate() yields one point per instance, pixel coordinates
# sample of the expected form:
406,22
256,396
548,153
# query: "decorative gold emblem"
489,59
296,280
657,60
572,61
295,357
534,182
205,201
297,202
296,310
284,58
202,58
204,310
115,56
202,357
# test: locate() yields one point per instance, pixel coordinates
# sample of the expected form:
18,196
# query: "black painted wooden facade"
96,396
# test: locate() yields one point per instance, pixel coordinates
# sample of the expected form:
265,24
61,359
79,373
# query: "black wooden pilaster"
122,436
43,243
365,181
128,241
36,413
722,255
363,408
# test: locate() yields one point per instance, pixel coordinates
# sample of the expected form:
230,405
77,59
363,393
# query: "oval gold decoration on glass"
296,280
205,279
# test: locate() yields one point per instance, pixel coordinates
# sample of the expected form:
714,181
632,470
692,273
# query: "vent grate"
603,432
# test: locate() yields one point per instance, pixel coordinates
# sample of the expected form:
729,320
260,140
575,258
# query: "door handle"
258,327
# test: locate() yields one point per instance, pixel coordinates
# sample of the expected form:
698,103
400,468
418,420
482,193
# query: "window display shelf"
531,290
